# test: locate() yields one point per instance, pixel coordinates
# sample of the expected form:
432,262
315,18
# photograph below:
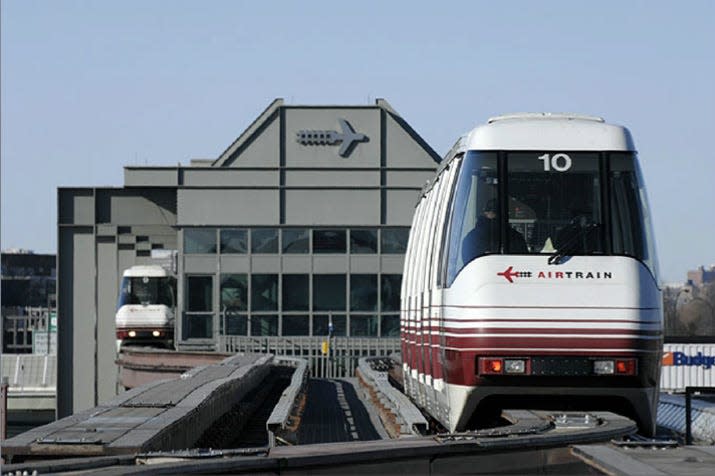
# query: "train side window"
630,222
444,224
474,228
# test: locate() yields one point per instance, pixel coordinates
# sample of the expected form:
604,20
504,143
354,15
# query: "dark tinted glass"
474,229
296,294
390,326
394,240
264,325
199,290
264,240
234,292
363,241
296,241
296,325
199,240
554,203
198,326
363,292
390,292
234,241
146,290
363,326
235,324
320,325
329,241
329,292
264,292
629,237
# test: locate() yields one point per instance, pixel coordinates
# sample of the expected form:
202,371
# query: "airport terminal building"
302,221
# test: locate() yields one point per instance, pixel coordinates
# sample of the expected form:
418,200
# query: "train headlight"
132,333
514,366
603,367
156,333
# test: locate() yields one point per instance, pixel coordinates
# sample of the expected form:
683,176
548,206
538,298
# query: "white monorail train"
530,276
146,306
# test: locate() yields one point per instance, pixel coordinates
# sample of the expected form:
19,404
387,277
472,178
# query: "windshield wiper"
573,243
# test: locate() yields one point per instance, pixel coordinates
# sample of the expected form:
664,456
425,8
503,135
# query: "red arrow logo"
509,274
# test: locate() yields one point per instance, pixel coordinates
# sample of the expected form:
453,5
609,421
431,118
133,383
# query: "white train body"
146,306
530,275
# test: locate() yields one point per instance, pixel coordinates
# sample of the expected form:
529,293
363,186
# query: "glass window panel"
264,240
394,240
363,326
329,292
363,292
363,241
198,326
475,203
264,292
235,324
390,292
296,241
199,240
329,241
630,222
234,241
234,292
390,325
264,325
296,295
554,203
321,322
199,292
296,325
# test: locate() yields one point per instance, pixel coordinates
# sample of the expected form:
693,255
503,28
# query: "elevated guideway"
162,415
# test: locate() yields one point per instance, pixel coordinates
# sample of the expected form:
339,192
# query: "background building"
301,221
28,287
701,276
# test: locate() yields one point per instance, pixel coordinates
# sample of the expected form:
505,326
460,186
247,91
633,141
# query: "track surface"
334,413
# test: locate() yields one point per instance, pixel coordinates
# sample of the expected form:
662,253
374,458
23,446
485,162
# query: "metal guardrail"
407,415
279,420
340,361
30,372
689,391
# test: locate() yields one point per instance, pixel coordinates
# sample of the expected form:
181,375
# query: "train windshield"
548,203
146,290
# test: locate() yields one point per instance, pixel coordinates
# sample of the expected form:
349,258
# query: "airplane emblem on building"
348,138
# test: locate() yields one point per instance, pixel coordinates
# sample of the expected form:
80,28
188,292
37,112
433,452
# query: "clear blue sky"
89,87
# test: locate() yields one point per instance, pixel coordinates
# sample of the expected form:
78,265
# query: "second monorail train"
530,276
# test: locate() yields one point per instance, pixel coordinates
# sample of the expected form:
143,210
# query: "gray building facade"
299,225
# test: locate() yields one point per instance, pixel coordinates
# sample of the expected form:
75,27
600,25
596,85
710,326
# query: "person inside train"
484,238
580,235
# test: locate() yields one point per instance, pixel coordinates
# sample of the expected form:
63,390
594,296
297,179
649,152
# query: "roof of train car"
548,132
537,131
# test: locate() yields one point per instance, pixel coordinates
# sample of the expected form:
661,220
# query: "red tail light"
121,335
626,366
491,366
